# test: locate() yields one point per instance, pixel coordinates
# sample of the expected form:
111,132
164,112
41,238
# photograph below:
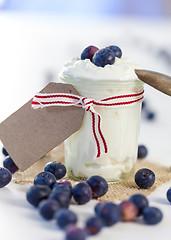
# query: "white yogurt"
120,125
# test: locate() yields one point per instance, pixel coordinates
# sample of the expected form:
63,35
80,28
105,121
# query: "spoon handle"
157,80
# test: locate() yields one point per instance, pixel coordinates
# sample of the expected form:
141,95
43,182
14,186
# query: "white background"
33,49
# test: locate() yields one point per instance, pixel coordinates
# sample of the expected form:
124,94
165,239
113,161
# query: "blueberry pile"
8,169
53,197
101,57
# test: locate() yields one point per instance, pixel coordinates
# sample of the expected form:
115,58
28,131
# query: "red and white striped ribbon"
42,100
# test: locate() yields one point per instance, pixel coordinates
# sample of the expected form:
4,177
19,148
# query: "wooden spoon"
157,80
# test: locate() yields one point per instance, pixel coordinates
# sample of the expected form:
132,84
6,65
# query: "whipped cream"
121,70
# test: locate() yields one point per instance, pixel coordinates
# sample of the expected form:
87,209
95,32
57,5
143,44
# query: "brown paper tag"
28,134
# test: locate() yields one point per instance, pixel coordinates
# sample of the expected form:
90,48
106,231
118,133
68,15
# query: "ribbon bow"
42,100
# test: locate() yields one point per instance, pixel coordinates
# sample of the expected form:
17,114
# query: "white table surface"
31,47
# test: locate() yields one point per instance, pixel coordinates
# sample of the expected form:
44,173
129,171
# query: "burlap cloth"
117,191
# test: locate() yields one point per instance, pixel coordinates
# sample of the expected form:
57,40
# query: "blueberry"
142,151
37,193
103,57
152,215
45,178
89,52
117,51
82,193
62,197
65,217
75,233
4,151
98,207
10,165
140,201
129,211
98,185
168,194
110,213
144,105
144,178
65,183
150,115
56,168
93,225
48,208
5,177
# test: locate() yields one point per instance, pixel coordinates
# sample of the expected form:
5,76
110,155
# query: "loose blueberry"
4,151
129,211
142,151
150,115
144,178
37,193
110,213
65,217
103,57
75,233
117,51
45,178
143,105
5,177
152,215
62,197
10,165
48,208
98,207
98,185
93,225
82,192
89,52
168,194
65,183
56,168
140,201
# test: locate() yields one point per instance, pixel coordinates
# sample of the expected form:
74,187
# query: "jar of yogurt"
120,124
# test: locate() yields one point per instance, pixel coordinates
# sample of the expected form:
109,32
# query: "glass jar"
120,127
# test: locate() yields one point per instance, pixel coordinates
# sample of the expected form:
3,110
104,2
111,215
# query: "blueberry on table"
48,208
75,233
117,51
82,192
109,213
168,194
37,193
4,151
142,151
10,165
140,201
64,183
45,178
103,57
65,217
150,115
88,52
152,215
61,196
98,207
56,168
129,211
98,185
145,178
93,225
61,189
5,177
